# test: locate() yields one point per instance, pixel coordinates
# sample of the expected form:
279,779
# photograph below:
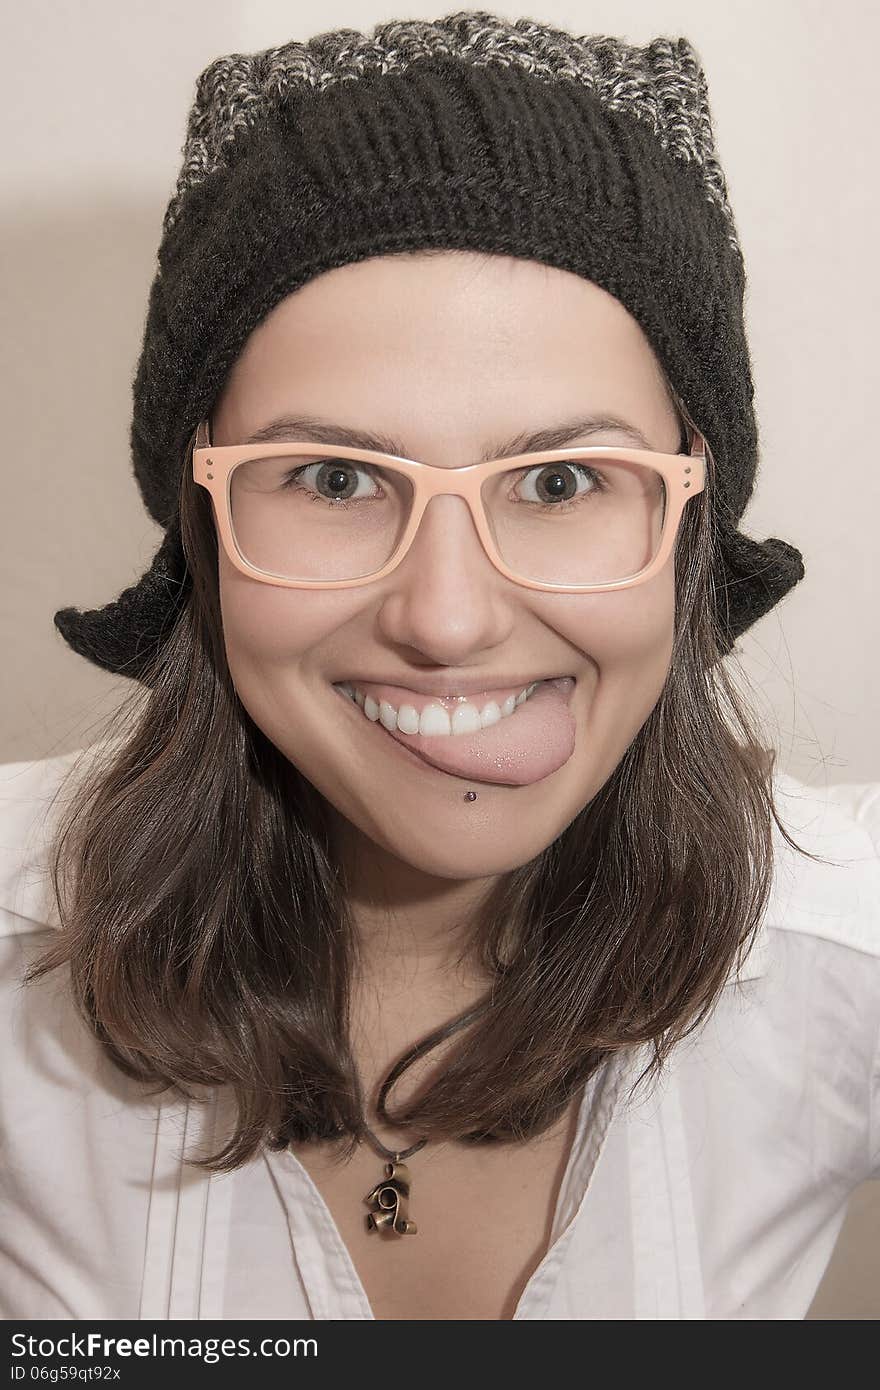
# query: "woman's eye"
334,480
552,483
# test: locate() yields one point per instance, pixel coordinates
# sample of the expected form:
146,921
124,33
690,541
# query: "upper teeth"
434,718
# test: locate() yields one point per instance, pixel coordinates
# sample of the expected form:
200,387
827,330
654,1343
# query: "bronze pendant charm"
391,1202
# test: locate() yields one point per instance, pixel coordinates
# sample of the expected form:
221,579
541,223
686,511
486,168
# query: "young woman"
432,942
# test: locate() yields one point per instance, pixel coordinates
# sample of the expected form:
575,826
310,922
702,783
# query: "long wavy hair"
206,924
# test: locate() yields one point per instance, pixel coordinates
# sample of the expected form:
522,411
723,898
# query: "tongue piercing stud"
470,796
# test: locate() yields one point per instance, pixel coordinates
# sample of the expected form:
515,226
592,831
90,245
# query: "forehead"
454,343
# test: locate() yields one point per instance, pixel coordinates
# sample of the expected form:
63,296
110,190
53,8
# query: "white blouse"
719,1193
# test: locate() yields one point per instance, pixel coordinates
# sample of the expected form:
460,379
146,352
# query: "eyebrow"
310,429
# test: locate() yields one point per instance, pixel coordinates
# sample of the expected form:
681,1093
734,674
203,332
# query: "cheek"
266,626
626,631
635,631
627,638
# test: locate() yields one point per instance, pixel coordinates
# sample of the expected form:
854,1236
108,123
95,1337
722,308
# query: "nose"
446,596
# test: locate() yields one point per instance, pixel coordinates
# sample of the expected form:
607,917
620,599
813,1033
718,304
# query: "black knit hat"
472,131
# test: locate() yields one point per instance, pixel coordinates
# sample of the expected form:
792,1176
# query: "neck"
415,931
415,968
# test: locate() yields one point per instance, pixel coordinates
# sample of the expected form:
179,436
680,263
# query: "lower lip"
411,757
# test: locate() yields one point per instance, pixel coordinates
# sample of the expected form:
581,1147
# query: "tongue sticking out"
525,747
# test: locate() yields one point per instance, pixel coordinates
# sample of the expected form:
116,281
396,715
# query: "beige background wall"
94,104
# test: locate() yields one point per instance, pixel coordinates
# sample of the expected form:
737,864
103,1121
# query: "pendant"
391,1202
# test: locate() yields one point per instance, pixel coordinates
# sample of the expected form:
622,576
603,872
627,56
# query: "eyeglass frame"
213,465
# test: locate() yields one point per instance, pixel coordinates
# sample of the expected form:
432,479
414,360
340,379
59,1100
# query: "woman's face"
450,356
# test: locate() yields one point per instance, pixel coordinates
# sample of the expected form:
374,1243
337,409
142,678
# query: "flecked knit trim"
661,83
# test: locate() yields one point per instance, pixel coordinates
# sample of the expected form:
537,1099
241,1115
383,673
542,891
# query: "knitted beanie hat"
472,131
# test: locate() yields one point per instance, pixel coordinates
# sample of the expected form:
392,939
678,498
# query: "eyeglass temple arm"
693,431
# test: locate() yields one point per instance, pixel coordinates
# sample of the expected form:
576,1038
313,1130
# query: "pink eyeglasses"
272,534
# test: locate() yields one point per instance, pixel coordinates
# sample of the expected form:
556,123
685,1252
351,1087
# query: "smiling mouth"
410,712
533,739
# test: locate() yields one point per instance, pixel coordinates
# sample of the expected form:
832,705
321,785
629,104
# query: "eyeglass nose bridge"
444,485
444,492
463,485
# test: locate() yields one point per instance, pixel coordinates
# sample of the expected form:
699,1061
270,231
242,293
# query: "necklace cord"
439,1035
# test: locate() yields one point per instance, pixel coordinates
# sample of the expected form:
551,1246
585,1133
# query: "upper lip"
440,685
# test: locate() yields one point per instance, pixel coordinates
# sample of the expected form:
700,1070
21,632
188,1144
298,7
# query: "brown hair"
210,943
